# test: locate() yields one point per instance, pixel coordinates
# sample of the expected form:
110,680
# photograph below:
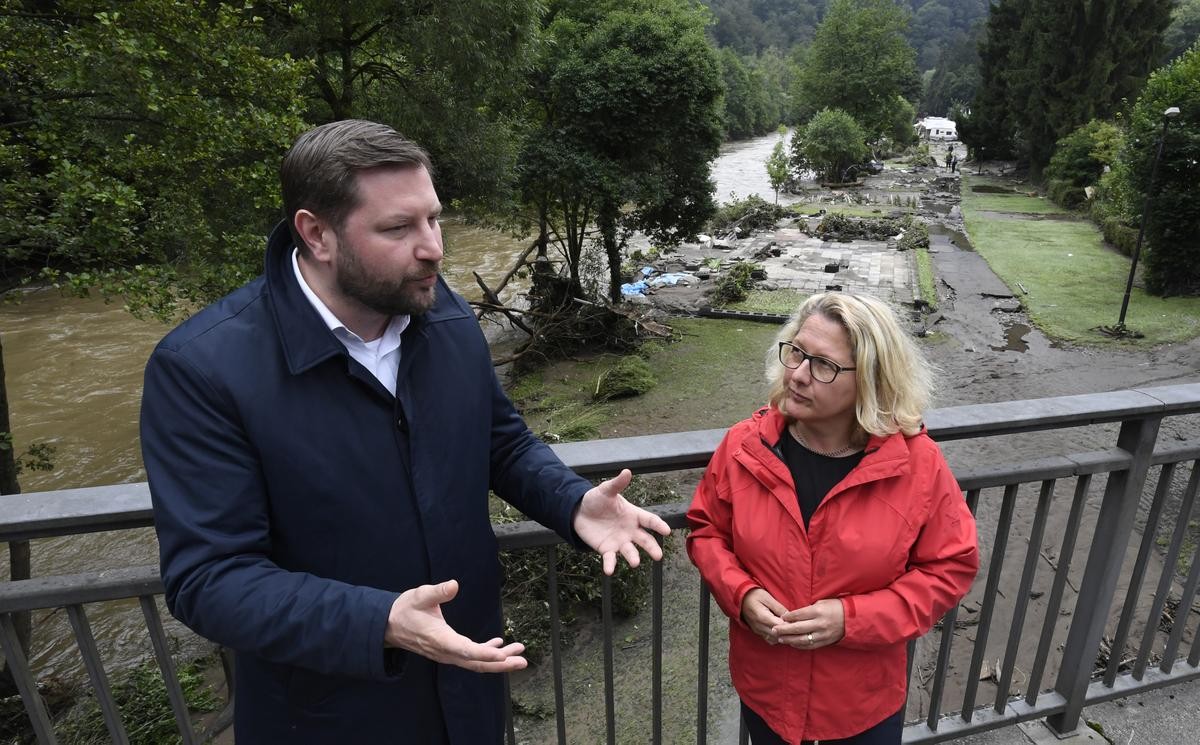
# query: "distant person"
320,445
949,157
953,164
830,530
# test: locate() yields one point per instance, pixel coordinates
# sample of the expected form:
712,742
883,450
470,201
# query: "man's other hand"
607,522
416,624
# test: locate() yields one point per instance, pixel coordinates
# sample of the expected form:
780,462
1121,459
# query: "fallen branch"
520,263
494,300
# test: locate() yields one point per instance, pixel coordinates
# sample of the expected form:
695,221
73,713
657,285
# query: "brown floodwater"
74,373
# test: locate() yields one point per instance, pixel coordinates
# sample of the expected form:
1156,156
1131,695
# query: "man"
320,445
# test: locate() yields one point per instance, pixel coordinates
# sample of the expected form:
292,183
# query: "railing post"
1113,527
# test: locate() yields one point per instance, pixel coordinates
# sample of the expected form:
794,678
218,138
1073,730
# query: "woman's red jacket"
894,541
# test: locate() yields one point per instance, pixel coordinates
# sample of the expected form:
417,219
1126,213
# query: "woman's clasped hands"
811,627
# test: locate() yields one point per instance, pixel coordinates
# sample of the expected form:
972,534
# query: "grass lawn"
710,377
783,302
849,210
1018,201
1074,282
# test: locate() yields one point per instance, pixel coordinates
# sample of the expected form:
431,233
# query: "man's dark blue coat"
295,499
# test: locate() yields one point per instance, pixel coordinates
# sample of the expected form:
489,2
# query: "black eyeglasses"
822,369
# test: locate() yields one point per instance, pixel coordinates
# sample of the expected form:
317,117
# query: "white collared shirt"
381,356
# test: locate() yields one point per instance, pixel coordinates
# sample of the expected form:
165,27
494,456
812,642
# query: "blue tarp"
668,280
634,288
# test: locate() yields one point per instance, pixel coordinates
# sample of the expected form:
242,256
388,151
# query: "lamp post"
1168,115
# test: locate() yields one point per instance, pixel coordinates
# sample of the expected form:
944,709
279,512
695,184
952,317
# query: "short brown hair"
318,172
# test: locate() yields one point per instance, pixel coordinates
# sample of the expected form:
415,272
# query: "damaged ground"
986,350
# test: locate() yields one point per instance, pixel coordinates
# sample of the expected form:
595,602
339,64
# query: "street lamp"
1168,115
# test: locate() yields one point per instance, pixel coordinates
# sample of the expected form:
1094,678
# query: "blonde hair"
895,381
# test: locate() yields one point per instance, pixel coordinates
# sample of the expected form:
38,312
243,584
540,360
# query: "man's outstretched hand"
416,624
608,523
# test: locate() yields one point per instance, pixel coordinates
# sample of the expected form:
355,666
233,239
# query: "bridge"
1095,540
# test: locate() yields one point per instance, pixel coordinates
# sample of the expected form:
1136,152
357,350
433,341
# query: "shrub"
1172,233
1079,160
745,216
830,143
580,579
141,696
630,377
837,226
916,236
735,284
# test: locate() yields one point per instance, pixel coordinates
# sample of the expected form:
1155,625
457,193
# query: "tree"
778,168
956,76
1172,231
745,98
1079,161
860,62
830,143
445,74
1184,30
989,129
1058,65
627,110
139,147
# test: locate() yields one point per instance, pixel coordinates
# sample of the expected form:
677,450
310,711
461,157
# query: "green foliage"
579,578
1184,30
735,284
900,132
630,377
778,168
745,216
140,146
145,709
751,26
39,456
752,101
1172,232
939,25
859,62
830,143
916,235
625,120
1042,88
1079,161
925,279
835,226
956,76
446,74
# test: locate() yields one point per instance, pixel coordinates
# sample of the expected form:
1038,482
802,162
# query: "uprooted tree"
625,108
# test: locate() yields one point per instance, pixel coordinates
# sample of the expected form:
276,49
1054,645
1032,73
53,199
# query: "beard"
386,295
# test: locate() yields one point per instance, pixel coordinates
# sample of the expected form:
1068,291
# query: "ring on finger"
810,638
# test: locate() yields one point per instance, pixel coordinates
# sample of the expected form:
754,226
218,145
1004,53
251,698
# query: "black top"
814,474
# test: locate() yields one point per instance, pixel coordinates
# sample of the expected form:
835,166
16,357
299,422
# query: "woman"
830,529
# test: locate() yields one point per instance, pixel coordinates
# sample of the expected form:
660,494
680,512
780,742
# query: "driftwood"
494,301
493,296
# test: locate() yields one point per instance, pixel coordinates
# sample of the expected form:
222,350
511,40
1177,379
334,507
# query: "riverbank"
986,348
711,376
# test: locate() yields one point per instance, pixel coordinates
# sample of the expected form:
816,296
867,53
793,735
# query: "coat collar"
306,340
885,455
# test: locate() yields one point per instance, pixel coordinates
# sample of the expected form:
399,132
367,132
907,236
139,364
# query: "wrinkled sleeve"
527,474
710,544
942,565
212,516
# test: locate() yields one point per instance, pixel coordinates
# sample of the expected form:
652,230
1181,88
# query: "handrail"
121,506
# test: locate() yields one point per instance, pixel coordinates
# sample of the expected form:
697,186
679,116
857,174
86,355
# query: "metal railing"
1131,506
